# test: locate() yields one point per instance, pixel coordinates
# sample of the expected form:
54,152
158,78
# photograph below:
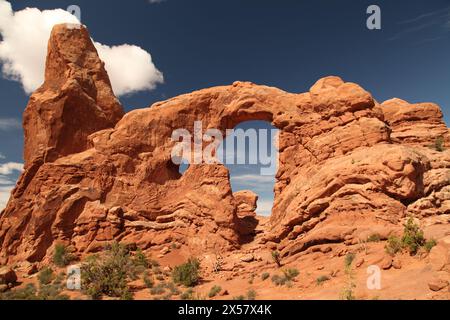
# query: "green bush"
173,288
46,276
413,237
149,283
191,295
109,273
214,291
27,293
241,297
320,280
349,260
61,256
265,276
188,295
160,288
429,245
279,280
439,144
251,294
187,274
276,257
347,293
140,260
290,274
394,245
49,291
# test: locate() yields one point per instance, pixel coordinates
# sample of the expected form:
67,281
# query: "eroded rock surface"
349,167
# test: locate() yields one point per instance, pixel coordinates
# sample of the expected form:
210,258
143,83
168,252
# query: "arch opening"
251,155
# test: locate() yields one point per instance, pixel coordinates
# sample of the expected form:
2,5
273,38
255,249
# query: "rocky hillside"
350,168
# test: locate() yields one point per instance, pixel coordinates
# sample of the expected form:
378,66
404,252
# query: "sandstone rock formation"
349,167
75,100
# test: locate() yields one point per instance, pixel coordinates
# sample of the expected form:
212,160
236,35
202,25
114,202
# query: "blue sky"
288,44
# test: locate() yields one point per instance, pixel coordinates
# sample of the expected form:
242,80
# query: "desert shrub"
374,238
251,294
439,144
61,256
320,280
51,292
167,296
149,283
108,273
347,293
48,291
265,276
279,280
173,288
276,257
286,278
241,297
140,260
46,276
413,237
214,291
160,288
27,293
394,245
349,260
156,270
187,295
429,245
187,274
290,274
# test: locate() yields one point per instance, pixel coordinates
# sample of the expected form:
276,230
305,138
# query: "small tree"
109,273
413,237
46,276
439,144
214,291
276,257
187,274
61,256
393,246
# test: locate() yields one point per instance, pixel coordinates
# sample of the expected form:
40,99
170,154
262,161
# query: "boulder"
437,284
7,276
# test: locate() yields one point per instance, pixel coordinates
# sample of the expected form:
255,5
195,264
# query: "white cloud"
5,193
254,182
139,74
7,124
7,183
23,50
2,156
4,180
264,207
10,167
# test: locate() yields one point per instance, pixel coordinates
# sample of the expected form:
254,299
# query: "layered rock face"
348,166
